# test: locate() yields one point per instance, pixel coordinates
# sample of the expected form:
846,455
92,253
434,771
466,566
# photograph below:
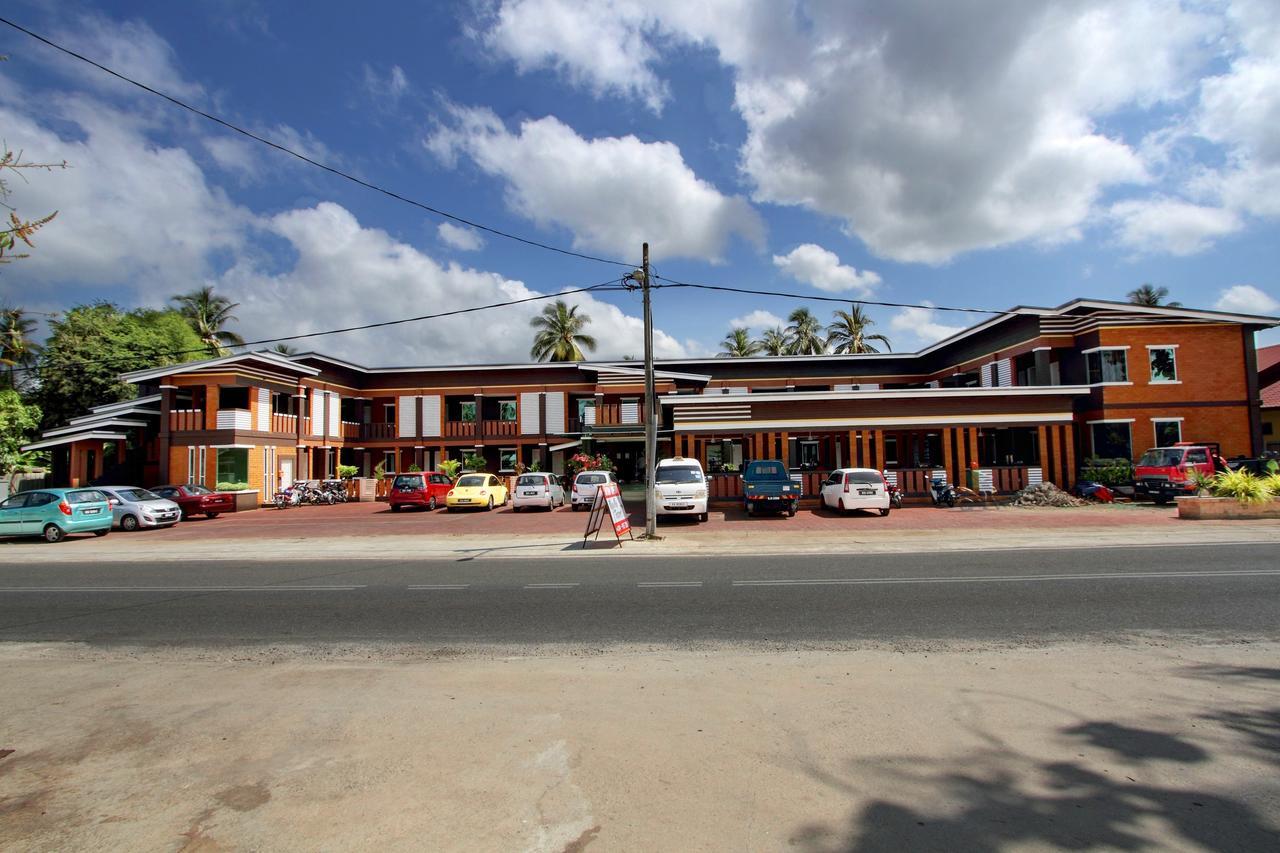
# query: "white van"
680,487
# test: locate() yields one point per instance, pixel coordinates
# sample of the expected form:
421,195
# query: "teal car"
53,513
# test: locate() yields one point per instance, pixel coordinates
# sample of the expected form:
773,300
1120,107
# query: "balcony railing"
459,429
186,420
281,423
377,431
350,429
241,419
501,429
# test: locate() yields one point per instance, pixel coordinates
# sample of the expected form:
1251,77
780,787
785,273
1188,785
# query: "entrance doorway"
286,473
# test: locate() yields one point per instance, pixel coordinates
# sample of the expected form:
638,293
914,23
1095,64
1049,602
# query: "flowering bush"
588,462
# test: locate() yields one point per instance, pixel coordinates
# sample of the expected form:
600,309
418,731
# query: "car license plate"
866,491
679,506
529,494
91,511
464,500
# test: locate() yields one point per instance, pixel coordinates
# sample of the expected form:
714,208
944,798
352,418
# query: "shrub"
380,470
415,468
449,468
474,462
1202,481
346,472
230,486
1108,472
588,462
1271,483
1241,485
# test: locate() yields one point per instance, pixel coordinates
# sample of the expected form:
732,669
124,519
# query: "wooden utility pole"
650,412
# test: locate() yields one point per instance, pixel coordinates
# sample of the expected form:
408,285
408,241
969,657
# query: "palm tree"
208,314
560,334
738,344
1151,296
16,347
774,342
848,334
804,335
284,349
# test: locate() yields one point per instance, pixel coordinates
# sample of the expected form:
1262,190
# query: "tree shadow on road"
995,798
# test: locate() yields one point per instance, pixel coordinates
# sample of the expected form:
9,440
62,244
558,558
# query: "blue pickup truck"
767,487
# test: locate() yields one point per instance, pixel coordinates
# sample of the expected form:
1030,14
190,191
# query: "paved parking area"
375,519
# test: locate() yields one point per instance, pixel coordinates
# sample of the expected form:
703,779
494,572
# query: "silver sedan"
133,507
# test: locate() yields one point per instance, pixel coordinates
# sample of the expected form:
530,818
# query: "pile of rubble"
1046,494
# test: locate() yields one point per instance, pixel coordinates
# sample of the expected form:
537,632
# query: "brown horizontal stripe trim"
1199,404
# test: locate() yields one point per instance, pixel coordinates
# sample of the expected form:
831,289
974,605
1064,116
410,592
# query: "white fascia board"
1165,311
69,439
828,424
105,422
882,394
274,359
127,404
1100,349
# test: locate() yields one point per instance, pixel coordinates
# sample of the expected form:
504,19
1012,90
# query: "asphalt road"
1007,596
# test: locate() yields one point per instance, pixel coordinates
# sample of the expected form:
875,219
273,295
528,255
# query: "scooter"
942,493
895,494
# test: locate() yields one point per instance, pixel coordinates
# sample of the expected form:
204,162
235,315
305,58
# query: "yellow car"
477,490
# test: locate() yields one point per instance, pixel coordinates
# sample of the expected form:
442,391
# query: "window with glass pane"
507,410
233,465
1164,366
507,459
808,454
1168,433
1108,365
891,451
468,412
1112,441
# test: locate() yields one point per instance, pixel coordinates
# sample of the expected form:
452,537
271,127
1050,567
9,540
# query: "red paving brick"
365,519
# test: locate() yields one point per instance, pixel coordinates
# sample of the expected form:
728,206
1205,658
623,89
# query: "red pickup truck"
1164,473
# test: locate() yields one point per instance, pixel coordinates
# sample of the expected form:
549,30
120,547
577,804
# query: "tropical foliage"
450,468
804,333
561,333
1241,484
848,332
89,347
18,425
209,315
18,230
588,462
284,349
738,344
17,351
773,342
1151,296
474,462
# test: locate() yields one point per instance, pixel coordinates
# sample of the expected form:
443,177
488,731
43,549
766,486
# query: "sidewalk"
369,531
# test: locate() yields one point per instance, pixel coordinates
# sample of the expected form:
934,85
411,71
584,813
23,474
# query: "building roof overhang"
877,394
89,435
273,360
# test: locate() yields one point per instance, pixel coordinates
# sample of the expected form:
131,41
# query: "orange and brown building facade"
1023,397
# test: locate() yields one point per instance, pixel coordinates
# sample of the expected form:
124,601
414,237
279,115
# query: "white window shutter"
335,414
529,421
264,410
317,412
555,412
431,415
1004,373
407,416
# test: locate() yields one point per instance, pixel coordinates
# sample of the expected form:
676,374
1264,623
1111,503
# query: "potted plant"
347,472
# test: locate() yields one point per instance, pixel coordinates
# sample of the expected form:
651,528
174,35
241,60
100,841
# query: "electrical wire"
602,287
304,158
843,301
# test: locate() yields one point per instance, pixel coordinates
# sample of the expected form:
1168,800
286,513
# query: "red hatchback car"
195,499
425,491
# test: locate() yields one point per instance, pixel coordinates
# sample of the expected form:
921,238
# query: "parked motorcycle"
895,494
942,493
288,496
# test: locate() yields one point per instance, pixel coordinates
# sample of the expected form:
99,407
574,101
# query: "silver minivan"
133,507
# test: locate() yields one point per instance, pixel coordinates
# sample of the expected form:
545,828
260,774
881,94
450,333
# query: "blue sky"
910,152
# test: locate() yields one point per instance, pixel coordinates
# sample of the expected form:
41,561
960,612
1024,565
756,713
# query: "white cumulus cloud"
611,193
757,321
1170,225
1247,299
919,327
459,237
813,265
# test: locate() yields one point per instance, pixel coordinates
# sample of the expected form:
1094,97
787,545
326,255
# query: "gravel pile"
1046,494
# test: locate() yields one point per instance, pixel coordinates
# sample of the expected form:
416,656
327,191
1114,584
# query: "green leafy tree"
1151,296
209,315
18,425
561,333
17,350
804,334
738,344
848,332
89,347
774,342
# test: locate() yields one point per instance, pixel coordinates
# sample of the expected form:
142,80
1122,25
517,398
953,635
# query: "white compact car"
132,507
680,487
848,489
585,484
537,490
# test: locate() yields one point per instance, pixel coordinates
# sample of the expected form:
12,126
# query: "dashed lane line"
669,584
344,588
1005,578
446,586
550,585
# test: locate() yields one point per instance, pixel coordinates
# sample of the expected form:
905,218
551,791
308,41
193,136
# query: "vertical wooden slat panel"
784,450
1041,434
865,459
852,462
973,446
880,457
1070,438
947,458
962,447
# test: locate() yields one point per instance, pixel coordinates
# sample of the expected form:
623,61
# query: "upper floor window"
506,410
1164,363
467,412
1107,365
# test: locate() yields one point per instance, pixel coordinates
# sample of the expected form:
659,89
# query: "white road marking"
181,588
1006,578
427,586
671,584
550,585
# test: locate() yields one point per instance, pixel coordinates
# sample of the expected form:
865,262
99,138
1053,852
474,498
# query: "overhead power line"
841,300
602,287
304,158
